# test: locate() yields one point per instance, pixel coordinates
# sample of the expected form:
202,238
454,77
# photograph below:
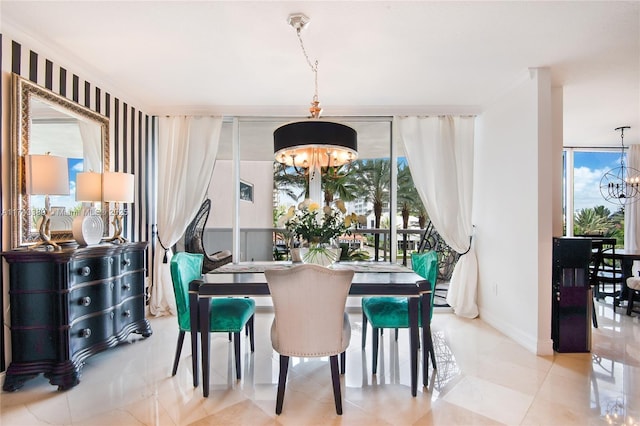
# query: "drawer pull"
112,314
85,271
126,287
111,261
85,301
85,332
126,313
126,262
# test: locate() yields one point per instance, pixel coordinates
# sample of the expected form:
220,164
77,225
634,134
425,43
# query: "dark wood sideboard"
67,305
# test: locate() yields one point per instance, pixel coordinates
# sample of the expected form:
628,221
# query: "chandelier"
621,185
313,144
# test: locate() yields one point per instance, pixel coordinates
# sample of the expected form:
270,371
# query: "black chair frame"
193,239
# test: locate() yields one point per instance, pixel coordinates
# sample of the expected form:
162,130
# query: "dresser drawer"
130,311
87,299
129,285
91,330
86,270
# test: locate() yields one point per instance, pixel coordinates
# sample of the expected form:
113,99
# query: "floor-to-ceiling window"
265,194
590,213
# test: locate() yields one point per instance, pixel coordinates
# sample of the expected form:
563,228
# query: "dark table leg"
414,337
204,306
193,318
427,340
627,271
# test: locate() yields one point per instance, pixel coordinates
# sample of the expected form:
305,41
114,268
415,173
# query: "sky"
589,167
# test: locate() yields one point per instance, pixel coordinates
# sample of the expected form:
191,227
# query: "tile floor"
482,378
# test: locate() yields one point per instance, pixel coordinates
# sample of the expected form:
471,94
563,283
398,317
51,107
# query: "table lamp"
117,187
46,175
88,226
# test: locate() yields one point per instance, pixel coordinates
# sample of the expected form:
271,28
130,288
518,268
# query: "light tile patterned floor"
482,378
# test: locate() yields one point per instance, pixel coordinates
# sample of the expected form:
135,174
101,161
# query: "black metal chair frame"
193,242
447,257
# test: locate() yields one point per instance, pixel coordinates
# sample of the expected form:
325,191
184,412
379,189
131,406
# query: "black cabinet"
571,307
69,304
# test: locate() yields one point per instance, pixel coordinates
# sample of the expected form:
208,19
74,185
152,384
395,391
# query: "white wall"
257,214
513,211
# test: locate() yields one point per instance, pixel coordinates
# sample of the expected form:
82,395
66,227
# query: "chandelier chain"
313,67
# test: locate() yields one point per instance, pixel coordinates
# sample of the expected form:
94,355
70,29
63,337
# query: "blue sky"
589,167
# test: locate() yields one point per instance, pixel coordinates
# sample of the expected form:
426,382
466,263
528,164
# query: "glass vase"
320,254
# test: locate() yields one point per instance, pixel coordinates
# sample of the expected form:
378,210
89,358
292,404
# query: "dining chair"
606,270
309,319
393,312
633,283
228,315
193,240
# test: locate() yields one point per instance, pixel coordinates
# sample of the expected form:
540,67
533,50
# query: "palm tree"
338,181
288,180
372,178
590,221
408,199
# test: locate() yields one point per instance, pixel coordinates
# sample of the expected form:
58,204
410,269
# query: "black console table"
69,304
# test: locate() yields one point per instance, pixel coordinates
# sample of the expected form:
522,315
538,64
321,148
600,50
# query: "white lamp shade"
117,187
46,175
89,186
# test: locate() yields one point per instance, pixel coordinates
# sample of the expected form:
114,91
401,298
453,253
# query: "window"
591,213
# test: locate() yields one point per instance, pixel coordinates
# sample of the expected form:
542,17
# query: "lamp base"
117,237
45,234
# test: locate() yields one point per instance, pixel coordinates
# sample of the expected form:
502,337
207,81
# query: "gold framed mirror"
44,122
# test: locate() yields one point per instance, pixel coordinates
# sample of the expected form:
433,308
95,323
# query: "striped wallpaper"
133,133
133,144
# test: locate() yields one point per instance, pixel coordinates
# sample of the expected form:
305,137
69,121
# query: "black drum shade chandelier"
313,143
621,185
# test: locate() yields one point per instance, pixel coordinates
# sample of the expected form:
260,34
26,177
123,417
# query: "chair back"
193,234
185,267
447,257
309,303
426,265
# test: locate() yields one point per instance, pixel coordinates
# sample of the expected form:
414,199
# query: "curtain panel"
187,148
632,210
439,152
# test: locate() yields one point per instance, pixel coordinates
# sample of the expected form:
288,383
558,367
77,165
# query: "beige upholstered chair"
309,303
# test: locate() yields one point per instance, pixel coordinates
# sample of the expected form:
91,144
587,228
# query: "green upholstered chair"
228,315
393,312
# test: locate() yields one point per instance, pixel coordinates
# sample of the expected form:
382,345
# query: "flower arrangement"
317,226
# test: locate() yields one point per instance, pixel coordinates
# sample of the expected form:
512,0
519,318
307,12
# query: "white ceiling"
375,57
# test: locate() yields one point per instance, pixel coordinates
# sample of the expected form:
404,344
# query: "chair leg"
594,318
364,330
374,362
282,381
335,378
178,352
631,295
249,326
343,362
236,350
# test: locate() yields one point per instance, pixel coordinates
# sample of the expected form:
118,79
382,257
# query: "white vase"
319,255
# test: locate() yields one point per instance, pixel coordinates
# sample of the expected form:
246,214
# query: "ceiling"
375,57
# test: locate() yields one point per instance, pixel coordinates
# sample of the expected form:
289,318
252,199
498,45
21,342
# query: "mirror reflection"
48,123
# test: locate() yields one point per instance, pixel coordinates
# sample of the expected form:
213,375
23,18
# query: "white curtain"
439,151
632,210
91,135
187,148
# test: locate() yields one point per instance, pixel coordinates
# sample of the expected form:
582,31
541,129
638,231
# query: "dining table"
370,279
